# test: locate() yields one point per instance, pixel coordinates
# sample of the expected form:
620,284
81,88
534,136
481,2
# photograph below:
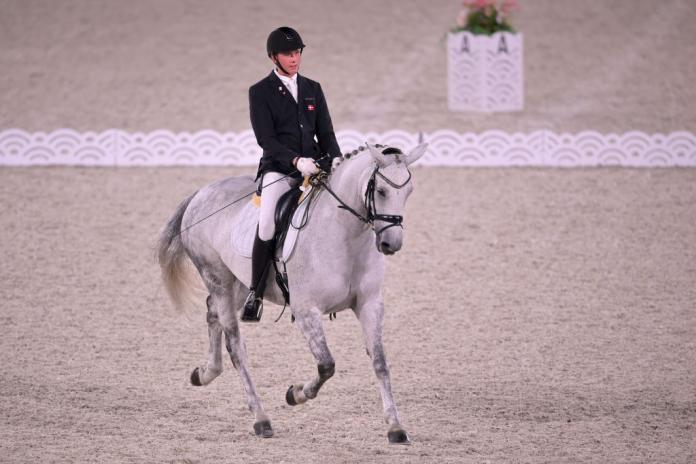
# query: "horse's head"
386,192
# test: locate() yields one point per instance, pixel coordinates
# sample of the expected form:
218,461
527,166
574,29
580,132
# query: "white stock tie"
292,87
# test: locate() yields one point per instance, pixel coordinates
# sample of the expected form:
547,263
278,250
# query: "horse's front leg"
371,316
312,328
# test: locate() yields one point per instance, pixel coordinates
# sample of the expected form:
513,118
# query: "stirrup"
253,308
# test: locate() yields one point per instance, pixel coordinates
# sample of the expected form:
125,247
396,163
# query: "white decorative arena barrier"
446,148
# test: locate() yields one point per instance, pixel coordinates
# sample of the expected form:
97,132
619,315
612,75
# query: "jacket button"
301,126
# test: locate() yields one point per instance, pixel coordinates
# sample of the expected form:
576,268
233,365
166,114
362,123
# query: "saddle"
290,211
283,214
244,226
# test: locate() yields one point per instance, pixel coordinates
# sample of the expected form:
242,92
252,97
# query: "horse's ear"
416,153
381,159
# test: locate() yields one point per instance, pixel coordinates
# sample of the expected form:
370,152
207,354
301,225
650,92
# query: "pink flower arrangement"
485,16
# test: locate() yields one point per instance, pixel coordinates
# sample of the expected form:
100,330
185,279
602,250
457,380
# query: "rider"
291,122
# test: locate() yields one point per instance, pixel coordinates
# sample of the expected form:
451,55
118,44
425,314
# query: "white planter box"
485,73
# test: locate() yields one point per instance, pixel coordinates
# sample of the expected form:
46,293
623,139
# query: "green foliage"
484,22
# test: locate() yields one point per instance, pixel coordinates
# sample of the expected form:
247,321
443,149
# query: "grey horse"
337,264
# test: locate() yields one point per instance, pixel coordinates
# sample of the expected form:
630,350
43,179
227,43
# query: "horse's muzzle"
386,247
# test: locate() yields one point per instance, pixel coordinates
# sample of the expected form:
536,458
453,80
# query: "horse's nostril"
385,245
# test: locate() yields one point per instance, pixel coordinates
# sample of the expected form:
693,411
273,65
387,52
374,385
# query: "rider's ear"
416,153
381,159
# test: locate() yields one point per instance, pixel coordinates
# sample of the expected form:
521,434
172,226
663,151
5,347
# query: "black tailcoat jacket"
285,128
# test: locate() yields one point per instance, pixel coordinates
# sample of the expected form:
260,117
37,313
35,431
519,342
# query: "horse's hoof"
195,378
295,395
263,429
398,437
290,397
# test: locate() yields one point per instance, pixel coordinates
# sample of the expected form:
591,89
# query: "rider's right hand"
306,166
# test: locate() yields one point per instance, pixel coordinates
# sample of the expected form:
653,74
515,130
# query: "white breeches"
272,190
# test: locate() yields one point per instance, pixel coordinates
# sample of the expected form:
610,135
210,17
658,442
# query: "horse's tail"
179,281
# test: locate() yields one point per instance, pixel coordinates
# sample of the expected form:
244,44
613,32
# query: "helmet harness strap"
275,59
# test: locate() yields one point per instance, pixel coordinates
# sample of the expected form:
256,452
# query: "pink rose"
508,6
461,18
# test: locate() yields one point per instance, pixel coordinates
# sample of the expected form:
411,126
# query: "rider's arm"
264,130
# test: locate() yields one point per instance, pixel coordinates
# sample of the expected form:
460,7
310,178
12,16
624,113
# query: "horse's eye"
382,192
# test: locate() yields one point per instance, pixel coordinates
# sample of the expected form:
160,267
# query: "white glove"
336,162
306,166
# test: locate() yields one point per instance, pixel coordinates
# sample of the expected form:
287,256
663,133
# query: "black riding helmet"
283,39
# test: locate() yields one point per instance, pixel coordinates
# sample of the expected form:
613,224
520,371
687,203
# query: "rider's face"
289,62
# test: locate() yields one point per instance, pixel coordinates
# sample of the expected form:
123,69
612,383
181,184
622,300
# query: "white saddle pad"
244,229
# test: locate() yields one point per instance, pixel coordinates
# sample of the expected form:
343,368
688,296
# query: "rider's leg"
261,256
273,187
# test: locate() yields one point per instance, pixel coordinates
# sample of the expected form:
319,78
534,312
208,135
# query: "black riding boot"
261,256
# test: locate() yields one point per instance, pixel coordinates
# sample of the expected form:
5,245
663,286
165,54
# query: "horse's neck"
348,178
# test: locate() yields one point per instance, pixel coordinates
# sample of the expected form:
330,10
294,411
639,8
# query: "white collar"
285,79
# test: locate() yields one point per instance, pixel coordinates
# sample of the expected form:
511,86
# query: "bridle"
372,215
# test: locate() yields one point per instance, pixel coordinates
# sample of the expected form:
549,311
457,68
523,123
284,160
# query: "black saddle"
287,204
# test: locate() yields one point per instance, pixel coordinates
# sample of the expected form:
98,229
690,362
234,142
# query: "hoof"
290,397
195,378
398,437
263,429
295,395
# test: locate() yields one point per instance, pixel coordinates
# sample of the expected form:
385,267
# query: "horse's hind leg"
313,330
205,374
228,303
227,294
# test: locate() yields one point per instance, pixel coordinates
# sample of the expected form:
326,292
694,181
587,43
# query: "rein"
372,214
240,199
